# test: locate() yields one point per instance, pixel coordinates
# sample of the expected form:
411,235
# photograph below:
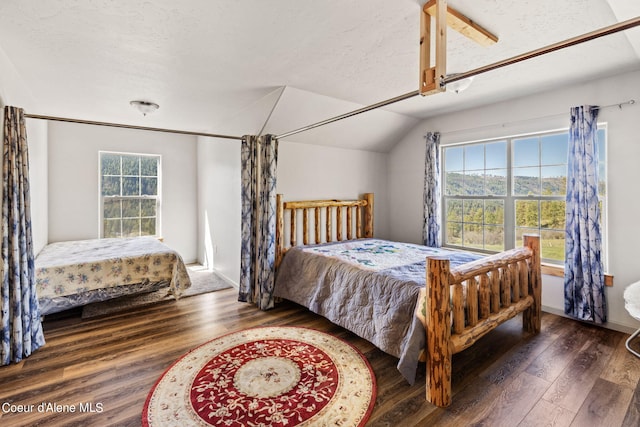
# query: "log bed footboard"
465,303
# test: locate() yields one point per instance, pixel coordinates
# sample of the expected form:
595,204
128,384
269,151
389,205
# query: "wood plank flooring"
572,374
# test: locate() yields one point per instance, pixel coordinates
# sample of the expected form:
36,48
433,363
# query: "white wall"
219,206
38,177
74,181
544,111
13,92
311,172
305,172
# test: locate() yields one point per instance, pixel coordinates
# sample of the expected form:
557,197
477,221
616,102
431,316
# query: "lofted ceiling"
230,67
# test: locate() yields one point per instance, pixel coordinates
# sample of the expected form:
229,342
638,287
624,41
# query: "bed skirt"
61,303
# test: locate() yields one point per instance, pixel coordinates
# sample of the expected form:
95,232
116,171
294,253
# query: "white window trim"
509,212
101,198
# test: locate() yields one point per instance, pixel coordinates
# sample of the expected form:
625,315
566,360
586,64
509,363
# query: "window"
496,191
129,188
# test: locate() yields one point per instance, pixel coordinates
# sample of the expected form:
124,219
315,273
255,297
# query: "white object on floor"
632,305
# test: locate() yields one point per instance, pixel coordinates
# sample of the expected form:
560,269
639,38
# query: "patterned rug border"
372,375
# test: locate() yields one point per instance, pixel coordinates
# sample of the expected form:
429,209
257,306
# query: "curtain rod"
352,113
621,26
535,119
120,125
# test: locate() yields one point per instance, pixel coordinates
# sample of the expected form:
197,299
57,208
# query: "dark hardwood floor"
572,374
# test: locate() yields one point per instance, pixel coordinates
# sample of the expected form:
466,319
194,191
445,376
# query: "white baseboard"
226,279
609,325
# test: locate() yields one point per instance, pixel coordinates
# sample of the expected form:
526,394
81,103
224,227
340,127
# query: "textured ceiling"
228,66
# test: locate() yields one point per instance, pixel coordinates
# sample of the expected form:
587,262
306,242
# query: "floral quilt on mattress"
76,267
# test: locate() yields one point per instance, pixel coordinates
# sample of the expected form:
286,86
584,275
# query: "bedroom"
201,221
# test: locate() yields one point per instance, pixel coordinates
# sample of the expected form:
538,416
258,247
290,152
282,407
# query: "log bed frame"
462,304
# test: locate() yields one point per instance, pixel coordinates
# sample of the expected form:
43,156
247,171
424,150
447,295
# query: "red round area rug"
268,376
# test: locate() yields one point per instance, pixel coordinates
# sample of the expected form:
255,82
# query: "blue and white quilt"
368,286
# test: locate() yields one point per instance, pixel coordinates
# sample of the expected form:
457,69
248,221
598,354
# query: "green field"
552,249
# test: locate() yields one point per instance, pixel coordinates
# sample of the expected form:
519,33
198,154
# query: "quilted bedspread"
76,267
368,286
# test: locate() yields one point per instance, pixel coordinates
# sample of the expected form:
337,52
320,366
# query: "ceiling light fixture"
459,85
145,107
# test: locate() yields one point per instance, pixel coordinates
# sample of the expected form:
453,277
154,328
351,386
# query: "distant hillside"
473,185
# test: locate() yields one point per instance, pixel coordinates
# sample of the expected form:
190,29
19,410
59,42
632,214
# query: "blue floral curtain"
431,234
249,159
21,326
259,156
584,295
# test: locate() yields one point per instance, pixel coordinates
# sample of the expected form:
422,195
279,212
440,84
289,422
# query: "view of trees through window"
129,191
494,192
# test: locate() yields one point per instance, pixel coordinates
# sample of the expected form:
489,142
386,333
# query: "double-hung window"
496,191
130,196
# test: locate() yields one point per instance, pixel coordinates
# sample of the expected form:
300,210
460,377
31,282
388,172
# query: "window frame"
510,199
157,197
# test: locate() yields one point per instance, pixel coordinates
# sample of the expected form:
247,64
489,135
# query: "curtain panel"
249,184
21,326
432,224
584,289
259,157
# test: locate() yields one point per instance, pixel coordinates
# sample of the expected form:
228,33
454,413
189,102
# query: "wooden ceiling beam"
430,77
463,25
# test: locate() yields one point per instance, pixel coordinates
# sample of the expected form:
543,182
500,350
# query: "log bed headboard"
353,220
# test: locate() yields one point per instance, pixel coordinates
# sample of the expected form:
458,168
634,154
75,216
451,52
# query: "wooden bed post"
279,229
438,325
368,215
532,317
